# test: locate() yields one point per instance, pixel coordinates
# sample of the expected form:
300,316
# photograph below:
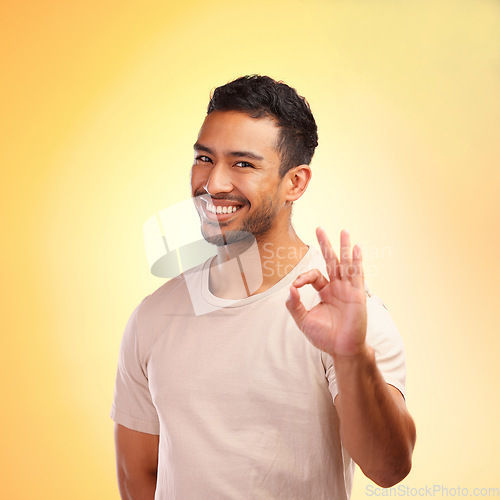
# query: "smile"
226,209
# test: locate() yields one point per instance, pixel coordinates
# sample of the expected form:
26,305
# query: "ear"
296,181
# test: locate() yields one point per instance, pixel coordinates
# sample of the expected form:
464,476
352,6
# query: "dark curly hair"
260,96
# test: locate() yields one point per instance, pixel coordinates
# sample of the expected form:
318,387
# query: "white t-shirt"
242,401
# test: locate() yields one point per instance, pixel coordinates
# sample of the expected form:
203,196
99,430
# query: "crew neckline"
220,302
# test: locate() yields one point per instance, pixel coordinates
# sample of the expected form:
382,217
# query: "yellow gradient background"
101,103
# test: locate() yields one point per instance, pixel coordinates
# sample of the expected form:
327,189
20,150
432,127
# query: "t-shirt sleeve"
132,404
383,336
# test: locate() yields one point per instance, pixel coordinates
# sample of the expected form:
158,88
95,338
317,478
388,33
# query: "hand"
337,325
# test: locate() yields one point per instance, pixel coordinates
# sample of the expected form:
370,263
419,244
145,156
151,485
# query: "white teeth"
221,210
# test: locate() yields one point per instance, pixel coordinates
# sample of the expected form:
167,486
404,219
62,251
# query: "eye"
244,164
204,159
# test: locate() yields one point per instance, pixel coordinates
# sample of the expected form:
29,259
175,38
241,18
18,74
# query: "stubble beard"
254,227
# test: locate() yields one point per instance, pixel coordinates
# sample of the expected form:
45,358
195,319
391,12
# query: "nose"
219,180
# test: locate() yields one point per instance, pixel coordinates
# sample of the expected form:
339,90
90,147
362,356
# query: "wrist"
365,355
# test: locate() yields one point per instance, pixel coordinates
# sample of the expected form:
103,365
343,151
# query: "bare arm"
375,425
376,428
136,463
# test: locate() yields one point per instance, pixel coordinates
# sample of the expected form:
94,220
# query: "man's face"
235,175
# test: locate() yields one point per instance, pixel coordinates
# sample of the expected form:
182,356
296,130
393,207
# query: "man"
230,384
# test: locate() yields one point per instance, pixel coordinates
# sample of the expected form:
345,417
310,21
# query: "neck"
254,265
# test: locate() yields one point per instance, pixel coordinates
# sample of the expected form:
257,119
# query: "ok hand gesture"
337,325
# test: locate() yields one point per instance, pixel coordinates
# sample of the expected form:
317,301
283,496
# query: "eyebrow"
238,154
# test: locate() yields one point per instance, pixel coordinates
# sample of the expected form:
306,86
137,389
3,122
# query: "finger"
295,307
312,277
358,278
332,262
345,254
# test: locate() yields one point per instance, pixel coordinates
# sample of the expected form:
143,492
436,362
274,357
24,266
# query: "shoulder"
173,297
380,322
383,336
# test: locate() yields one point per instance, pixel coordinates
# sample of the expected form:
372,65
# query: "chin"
228,238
